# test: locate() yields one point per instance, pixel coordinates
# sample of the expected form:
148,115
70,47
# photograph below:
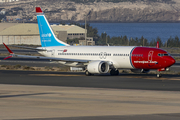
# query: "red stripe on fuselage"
147,58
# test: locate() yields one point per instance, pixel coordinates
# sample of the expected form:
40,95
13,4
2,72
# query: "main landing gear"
87,73
114,72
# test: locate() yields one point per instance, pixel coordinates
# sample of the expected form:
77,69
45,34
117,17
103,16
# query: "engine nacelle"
98,67
140,70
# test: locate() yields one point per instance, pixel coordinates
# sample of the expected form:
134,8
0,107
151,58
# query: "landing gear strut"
114,72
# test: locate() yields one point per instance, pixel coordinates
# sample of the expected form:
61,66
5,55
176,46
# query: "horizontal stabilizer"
7,57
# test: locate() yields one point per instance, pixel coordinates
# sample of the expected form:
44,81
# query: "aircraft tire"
87,73
158,75
114,72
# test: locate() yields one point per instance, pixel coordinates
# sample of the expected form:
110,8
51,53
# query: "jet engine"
98,67
140,70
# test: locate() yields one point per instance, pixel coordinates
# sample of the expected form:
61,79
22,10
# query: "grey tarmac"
38,95
168,82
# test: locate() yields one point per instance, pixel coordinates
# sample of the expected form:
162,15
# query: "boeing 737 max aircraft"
98,59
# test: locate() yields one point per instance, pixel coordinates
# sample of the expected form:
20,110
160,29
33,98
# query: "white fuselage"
119,56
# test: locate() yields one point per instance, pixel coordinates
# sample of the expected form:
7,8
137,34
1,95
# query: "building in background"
65,32
19,33
3,1
89,42
28,33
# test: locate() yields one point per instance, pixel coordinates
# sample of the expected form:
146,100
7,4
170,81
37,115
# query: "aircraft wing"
24,47
50,58
45,58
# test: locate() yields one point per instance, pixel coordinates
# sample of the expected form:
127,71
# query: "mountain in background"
95,10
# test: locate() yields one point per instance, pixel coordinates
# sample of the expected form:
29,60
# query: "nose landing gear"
159,72
158,75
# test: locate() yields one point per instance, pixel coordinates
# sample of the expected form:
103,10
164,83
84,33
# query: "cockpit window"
163,54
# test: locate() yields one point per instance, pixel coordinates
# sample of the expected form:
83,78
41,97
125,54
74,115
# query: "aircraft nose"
172,61
169,61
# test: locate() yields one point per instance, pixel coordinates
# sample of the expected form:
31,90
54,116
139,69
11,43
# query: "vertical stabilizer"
47,35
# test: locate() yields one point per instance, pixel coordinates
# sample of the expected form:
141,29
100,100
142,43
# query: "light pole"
106,37
128,42
143,41
85,31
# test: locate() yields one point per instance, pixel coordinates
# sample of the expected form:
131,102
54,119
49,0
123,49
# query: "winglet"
157,45
8,49
7,57
38,10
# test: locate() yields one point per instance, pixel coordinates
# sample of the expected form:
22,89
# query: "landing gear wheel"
87,73
114,72
117,72
158,75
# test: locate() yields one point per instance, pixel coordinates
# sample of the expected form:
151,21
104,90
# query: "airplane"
98,59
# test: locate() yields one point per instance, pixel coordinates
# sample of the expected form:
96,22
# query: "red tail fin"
38,10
